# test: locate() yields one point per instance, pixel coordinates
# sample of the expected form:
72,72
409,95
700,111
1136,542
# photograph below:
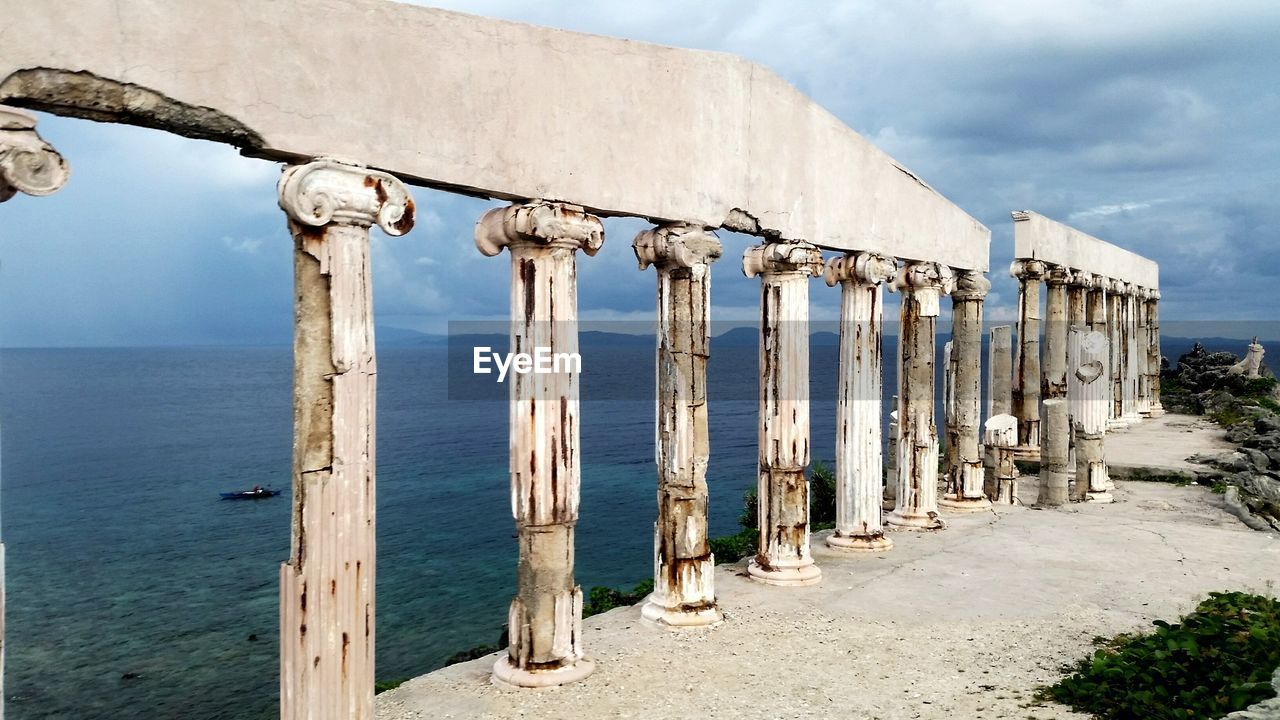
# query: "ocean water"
121,558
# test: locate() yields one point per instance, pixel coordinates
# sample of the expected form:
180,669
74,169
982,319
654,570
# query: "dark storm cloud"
1151,127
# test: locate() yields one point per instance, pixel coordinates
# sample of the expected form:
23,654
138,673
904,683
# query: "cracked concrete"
966,622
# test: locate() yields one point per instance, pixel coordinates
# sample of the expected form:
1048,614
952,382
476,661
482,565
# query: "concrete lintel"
489,108
1037,237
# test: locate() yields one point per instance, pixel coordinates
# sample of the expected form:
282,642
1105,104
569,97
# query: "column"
545,618
327,586
1077,291
1000,372
1116,347
1087,393
1133,358
859,398
1142,404
964,473
1153,320
31,166
1026,381
683,567
784,269
921,284
1053,454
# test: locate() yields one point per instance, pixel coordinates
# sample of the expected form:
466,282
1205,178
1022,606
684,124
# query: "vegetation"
1217,660
603,599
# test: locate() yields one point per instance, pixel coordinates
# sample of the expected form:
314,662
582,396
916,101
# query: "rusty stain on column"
683,567
859,459
965,477
784,269
1026,380
921,285
327,587
545,618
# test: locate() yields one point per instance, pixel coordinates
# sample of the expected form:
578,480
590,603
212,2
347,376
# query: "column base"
506,675
1156,411
915,522
784,576
1102,497
675,618
859,543
964,505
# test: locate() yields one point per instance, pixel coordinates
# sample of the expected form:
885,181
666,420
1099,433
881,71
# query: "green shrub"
822,495
602,599
732,548
1217,660
384,685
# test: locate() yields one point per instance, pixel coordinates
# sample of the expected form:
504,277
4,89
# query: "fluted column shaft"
1026,381
683,567
965,479
1135,357
327,586
31,166
545,618
859,459
1153,321
784,269
1116,349
1000,372
921,285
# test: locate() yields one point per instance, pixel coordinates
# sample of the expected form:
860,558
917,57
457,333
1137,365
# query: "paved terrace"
963,623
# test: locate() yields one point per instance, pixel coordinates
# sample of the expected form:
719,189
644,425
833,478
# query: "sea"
134,591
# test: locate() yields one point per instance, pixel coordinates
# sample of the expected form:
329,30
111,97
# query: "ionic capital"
781,258
677,245
540,223
1086,280
1154,296
859,269
1057,275
28,164
923,277
970,285
1027,269
1119,287
328,191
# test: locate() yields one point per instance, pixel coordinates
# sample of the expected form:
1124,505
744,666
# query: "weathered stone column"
1000,372
1116,351
859,459
891,462
921,284
327,586
1053,455
1000,438
1134,356
784,269
964,471
1077,291
545,619
1026,381
1142,403
683,567
1087,392
31,166
1054,384
1153,320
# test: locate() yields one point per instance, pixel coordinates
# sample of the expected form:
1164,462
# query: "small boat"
256,493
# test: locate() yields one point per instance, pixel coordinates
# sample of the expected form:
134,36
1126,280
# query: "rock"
131,676
1267,424
1257,458
1274,456
1236,507
1262,486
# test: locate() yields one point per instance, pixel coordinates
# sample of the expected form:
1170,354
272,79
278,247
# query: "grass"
1216,660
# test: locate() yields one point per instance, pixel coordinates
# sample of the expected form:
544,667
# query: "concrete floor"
961,623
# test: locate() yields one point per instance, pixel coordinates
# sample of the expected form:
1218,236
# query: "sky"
1155,126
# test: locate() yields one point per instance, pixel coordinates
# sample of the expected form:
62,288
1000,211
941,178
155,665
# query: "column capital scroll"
326,191
970,285
860,269
1058,275
539,222
782,257
28,164
676,245
1027,269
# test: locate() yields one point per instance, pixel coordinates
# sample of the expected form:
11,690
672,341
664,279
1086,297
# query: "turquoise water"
121,558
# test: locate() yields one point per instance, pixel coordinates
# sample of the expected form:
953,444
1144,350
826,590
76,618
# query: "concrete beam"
489,108
1037,237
